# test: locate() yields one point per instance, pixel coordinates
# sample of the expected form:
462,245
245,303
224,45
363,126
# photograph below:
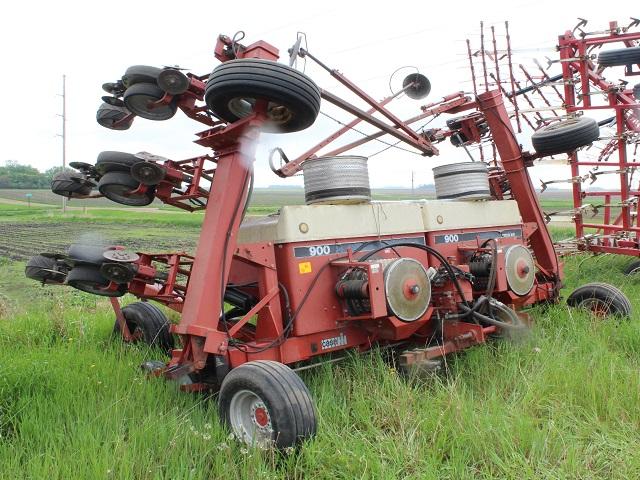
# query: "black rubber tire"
606,297
110,161
251,78
633,268
636,91
83,254
71,184
619,57
40,268
115,185
140,74
107,115
137,97
87,278
284,394
151,321
454,123
566,136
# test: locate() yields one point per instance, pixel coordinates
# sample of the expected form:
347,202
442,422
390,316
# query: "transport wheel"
619,57
266,404
140,74
108,115
110,161
116,186
88,278
139,98
149,324
632,268
562,137
44,269
234,87
601,299
71,184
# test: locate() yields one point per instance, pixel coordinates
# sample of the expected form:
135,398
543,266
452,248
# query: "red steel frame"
575,60
194,286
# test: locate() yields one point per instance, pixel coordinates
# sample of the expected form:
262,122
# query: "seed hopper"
263,298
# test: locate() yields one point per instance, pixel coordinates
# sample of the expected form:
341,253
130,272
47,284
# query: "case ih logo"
333,342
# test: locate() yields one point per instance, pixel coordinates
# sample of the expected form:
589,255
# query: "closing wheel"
619,57
563,137
141,99
633,268
71,184
110,161
149,324
600,299
44,269
89,279
112,116
118,187
234,87
266,404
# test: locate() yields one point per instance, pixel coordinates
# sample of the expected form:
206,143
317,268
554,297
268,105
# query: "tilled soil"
20,241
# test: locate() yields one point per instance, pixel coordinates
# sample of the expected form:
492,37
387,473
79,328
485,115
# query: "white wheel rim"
243,107
250,419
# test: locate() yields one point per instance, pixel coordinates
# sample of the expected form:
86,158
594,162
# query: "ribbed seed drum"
462,181
336,180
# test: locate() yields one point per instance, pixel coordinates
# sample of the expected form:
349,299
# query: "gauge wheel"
266,404
601,299
141,98
87,278
117,187
619,57
566,136
234,86
140,74
110,161
148,324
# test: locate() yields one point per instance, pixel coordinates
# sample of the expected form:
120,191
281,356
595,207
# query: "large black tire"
108,115
139,96
633,268
110,161
233,87
278,407
619,57
140,74
71,184
83,254
44,269
88,279
116,186
602,299
563,137
151,322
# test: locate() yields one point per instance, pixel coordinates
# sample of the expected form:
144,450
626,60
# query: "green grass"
562,404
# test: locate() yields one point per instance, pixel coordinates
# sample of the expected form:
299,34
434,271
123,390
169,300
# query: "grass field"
563,403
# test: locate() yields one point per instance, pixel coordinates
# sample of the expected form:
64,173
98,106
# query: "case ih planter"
426,277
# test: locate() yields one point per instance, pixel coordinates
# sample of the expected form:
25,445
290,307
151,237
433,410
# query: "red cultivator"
427,277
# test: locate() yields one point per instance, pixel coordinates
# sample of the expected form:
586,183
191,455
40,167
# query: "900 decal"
451,238
333,248
319,250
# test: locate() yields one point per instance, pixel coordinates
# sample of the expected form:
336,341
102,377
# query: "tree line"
16,175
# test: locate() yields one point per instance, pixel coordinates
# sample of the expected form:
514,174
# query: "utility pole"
412,175
64,134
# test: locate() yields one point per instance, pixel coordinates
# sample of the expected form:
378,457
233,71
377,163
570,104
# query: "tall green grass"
562,403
